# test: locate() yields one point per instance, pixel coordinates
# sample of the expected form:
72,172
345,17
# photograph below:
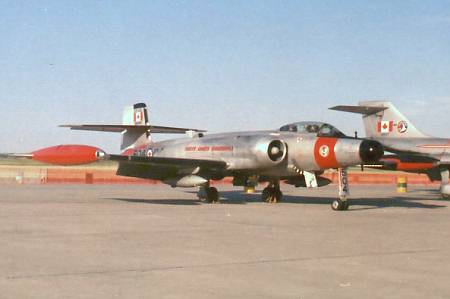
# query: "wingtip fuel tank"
68,154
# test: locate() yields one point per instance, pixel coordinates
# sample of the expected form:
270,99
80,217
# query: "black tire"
212,195
337,205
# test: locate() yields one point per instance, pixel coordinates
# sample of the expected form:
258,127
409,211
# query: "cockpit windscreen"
317,128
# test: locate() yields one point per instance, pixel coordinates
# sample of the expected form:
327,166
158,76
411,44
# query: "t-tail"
383,119
135,128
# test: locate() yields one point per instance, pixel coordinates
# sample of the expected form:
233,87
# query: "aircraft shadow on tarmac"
181,202
357,203
238,197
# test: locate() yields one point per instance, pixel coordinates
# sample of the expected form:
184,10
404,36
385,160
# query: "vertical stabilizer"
388,123
133,138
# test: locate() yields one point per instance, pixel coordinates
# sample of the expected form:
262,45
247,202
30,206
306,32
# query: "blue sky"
217,65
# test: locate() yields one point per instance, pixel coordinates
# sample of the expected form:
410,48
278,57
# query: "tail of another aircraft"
383,119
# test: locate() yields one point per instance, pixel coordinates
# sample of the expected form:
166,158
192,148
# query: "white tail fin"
139,136
388,123
382,119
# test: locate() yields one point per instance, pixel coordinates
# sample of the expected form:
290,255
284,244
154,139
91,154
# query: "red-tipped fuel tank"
68,154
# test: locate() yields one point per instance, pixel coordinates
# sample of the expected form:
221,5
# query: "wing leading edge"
122,128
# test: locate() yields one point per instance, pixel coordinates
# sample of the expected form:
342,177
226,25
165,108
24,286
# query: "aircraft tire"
212,195
339,205
271,195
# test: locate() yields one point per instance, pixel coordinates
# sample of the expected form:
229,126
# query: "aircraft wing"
162,161
122,128
365,110
161,167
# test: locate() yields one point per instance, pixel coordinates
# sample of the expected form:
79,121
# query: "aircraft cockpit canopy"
318,128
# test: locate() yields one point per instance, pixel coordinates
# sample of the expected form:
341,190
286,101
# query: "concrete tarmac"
144,241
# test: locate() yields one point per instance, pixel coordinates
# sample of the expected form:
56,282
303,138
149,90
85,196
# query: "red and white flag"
138,117
385,126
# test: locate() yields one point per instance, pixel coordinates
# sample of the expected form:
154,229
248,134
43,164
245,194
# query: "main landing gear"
272,193
208,194
341,203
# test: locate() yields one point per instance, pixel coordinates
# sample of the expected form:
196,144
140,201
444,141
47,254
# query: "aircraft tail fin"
383,119
137,135
135,128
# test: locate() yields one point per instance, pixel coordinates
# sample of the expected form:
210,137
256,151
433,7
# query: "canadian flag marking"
385,126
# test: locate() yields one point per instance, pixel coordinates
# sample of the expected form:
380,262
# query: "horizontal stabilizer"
122,128
365,110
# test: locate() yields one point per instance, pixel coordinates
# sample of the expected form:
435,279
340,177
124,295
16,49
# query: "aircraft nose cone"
370,151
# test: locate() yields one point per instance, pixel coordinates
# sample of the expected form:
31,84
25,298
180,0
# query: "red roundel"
324,152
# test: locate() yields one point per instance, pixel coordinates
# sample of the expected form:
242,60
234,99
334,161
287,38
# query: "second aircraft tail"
383,119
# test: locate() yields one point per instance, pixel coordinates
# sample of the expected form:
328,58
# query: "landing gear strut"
341,204
208,194
272,193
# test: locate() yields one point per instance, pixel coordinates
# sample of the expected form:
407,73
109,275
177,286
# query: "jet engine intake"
276,150
265,153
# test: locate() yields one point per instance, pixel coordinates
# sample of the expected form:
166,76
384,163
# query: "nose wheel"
272,193
340,205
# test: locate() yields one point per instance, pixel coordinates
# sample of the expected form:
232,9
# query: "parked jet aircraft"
297,154
413,150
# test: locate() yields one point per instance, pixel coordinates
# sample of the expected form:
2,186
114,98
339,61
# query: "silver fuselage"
246,153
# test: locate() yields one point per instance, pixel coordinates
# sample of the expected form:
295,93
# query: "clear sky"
217,65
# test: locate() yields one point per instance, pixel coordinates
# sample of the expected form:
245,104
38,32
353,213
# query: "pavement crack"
213,265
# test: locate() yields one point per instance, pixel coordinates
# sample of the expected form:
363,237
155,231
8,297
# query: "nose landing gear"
341,203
